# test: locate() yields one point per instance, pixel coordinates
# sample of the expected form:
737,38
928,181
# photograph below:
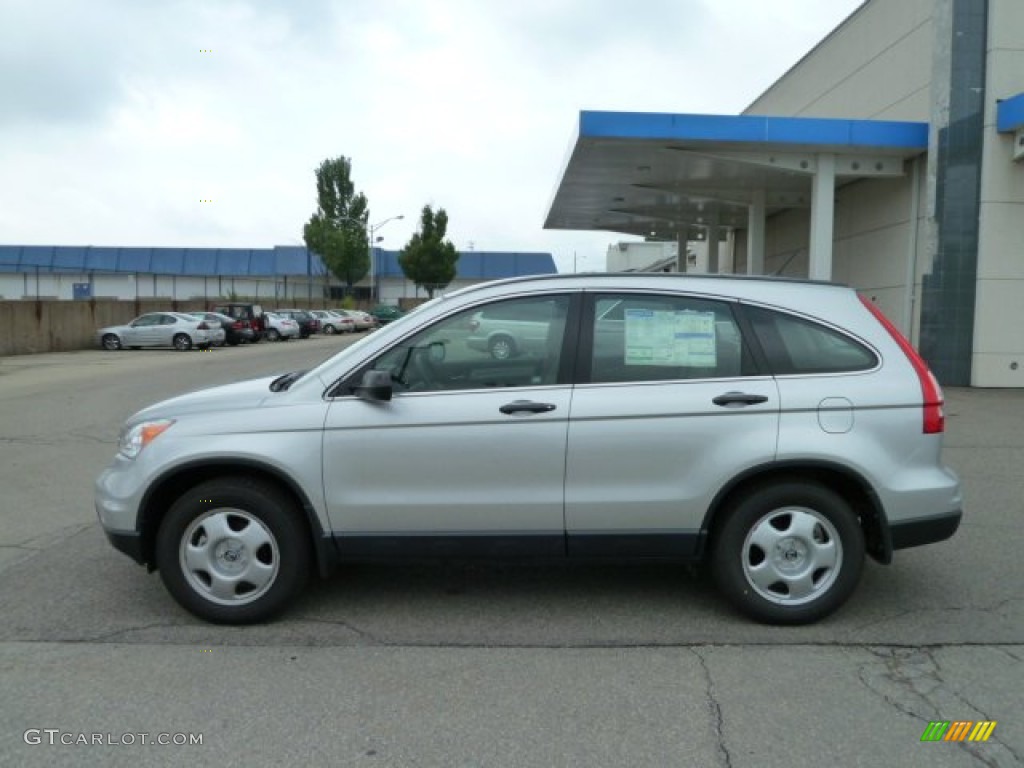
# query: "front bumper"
129,543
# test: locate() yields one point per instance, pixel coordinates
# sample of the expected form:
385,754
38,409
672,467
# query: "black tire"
111,342
197,552
273,335
329,329
502,347
815,553
182,342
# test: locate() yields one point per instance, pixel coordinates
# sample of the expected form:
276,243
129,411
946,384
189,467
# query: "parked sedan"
158,329
332,322
363,321
235,330
386,313
279,327
308,324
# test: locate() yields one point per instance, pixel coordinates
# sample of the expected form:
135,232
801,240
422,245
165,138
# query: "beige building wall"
876,65
998,356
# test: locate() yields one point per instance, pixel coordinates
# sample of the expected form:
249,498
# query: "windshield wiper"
282,383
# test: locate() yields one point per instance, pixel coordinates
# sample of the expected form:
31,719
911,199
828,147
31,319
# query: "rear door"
670,406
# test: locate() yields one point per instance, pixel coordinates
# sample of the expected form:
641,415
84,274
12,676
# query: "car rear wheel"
111,342
330,330
788,553
273,335
233,551
502,348
182,342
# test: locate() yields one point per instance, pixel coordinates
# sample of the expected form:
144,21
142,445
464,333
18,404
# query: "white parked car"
158,329
332,322
280,328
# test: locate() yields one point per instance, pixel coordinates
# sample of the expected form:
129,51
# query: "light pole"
373,256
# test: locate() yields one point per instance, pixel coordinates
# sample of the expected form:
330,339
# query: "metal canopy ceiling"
660,175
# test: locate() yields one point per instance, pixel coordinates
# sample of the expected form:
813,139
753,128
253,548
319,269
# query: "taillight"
238,325
934,420
203,326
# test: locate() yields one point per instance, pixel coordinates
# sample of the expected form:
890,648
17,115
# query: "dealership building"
890,158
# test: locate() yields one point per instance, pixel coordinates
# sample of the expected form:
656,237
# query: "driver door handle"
526,406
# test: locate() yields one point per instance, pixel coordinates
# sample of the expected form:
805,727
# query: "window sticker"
660,337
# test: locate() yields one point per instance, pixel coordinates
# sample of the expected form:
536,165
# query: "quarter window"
797,346
662,338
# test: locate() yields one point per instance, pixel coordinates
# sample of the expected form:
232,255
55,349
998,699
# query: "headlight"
133,440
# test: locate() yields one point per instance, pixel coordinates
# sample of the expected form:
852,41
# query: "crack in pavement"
911,682
996,607
715,709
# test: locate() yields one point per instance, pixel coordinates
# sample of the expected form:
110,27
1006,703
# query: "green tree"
428,259
337,231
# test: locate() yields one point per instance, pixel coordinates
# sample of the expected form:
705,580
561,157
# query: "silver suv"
778,429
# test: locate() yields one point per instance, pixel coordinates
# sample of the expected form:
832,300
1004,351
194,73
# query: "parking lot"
476,664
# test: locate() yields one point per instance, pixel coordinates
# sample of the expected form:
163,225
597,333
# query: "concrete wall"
998,353
30,326
876,65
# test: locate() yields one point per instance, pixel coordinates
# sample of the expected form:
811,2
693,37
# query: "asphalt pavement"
475,664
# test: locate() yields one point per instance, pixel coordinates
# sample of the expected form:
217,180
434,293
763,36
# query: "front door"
469,454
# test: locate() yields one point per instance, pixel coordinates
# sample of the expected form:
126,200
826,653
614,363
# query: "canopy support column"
755,233
823,206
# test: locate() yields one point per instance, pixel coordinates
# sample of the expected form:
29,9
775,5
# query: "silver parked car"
778,429
332,322
158,329
279,327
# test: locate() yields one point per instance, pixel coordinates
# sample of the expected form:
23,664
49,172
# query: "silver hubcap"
501,349
792,556
229,557
181,342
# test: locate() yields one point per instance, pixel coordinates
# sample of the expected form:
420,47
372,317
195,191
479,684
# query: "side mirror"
375,386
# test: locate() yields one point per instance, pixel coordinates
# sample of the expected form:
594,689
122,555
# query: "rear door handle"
737,399
526,406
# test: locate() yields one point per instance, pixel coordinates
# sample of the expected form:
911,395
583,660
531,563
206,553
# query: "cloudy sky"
200,122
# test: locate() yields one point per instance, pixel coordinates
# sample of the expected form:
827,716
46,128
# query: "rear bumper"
914,533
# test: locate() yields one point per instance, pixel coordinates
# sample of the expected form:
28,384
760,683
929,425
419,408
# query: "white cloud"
116,123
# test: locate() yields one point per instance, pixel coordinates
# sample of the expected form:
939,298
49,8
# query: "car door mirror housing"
376,386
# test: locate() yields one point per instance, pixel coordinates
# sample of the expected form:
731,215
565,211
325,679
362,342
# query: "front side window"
641,337
512,343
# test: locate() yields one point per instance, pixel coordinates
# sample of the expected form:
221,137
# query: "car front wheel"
788,553
233,551
111,342
273,335
182,342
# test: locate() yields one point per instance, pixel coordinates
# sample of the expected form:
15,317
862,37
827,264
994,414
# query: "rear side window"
665,338
797,346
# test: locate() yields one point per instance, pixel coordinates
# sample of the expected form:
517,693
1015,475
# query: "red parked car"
251,316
